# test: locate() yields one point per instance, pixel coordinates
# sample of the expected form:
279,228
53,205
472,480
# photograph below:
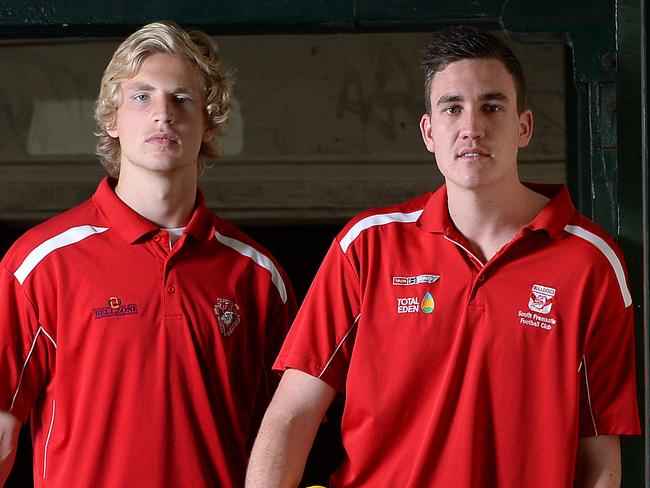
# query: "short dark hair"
464,42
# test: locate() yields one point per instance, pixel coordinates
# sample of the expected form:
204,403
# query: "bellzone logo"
115,308
426,304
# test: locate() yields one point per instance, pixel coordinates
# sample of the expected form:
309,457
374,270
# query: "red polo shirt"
458,373
141,366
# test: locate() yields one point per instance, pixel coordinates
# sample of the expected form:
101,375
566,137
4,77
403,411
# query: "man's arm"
288,430
598,464
9,430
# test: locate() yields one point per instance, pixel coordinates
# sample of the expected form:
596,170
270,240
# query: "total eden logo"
115,308
413,305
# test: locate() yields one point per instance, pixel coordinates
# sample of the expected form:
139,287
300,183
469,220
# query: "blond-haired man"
136,328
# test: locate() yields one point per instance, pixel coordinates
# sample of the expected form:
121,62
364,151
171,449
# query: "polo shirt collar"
131,226
552,218
200,225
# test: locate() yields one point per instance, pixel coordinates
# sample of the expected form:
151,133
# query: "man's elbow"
9,431
598,463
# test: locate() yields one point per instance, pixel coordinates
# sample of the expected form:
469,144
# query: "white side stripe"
374,220
609,254
70,236
29,355
47,442
258,257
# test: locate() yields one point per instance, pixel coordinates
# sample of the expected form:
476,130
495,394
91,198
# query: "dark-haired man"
481,334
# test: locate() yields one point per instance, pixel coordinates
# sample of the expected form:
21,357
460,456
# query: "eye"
181,99
453,110
141,97
492,108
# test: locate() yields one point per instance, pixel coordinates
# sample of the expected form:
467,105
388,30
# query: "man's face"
474,129
161,121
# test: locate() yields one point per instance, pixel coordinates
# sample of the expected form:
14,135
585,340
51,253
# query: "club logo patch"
540,306
228,316
115,308
541,299
415,280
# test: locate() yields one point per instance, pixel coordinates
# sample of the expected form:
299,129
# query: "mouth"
470,153
162,139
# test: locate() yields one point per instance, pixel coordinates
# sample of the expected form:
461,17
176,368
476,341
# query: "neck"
167,200
489,218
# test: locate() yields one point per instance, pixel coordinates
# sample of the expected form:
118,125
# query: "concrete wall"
323,125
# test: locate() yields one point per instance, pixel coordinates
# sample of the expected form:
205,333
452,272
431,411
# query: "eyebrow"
484,97
147,87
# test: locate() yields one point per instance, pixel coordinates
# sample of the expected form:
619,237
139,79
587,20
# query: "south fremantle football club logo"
115,308
541,299
228,316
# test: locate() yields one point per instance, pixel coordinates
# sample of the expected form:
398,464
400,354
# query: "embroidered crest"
541,299
228,317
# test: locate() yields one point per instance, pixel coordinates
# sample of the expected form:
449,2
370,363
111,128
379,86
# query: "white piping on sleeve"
373,220
331,358
259,258
70,236
47,441
591,411
29,355
609,253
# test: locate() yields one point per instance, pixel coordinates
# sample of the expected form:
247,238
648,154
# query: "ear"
425,130
525,127
113,132
208,135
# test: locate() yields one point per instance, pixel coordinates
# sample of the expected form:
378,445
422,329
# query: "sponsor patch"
415,305
415,280
428,303
115,308
228,316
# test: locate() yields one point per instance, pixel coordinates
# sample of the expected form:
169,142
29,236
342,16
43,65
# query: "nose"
473,126
163,110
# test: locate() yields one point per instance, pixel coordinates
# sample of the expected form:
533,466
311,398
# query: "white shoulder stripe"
609,253
70,236
259,258
373,220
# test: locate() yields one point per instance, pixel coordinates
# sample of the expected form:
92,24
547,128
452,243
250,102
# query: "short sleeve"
25,349
320,341
608,402
277,321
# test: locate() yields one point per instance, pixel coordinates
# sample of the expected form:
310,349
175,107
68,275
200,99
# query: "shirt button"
171,289
156,238
481,278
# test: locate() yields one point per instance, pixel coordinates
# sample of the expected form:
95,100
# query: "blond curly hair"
168,38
